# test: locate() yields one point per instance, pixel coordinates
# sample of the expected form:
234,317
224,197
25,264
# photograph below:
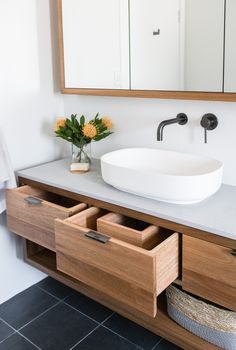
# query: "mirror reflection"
169,45
187,54
230,47
96,44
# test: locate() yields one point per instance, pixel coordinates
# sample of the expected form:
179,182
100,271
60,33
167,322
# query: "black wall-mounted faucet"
209,122
180,119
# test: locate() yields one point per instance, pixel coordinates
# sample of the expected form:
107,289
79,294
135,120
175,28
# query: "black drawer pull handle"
33,201
97,237
233,252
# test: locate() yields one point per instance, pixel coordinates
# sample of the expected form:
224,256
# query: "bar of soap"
79,167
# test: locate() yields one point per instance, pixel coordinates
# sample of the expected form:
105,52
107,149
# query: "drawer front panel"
31,232
125,292
127,262
35,221
209,271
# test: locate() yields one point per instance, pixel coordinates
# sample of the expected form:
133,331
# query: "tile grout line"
42,313
16,332
85,337
64,302
107,318
155,346
43,290
103,325
28,340
9,336
121,336
72,307
100,324
1,319
52,295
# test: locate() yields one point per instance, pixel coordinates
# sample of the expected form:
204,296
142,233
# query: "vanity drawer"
31,213
209,270
129,230
132,275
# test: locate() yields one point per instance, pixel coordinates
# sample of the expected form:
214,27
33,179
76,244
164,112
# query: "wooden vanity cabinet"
209,270
126,278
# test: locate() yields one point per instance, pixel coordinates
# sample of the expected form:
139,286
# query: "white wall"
29,104
136,122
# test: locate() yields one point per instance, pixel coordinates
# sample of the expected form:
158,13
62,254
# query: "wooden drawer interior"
209,271
53,198
31,213
131,274
133,231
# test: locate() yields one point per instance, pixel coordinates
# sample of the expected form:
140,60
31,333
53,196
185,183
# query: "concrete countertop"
216,215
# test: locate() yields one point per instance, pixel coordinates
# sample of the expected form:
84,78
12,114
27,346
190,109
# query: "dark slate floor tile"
103,339
25,306
88,306
5,331
165,345
59,328
16,342
133,332
55,288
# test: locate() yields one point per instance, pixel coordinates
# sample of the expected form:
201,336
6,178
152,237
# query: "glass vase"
81,158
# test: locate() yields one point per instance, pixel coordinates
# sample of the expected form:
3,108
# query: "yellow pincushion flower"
60,123
89,130
107,123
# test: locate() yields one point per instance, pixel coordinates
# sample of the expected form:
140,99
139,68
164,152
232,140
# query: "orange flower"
89,130
107,123
60,123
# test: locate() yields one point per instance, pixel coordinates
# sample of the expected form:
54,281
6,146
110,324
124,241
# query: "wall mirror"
155,48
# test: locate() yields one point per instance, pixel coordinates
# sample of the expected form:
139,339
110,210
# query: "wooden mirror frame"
175,95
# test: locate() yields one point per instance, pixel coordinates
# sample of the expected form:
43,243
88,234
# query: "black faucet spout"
180,119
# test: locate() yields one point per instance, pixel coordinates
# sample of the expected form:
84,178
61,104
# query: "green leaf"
102,136
73,117
82,120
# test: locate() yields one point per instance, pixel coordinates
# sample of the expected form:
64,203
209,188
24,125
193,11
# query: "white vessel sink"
162,175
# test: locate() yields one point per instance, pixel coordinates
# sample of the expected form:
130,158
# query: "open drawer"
31,213
132,275
129,230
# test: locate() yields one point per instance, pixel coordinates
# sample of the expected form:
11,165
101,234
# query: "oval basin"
162,175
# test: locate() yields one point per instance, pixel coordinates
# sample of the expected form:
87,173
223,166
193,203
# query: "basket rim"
210,315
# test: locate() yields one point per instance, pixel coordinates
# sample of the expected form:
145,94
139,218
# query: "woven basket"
215,325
